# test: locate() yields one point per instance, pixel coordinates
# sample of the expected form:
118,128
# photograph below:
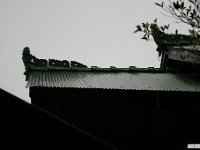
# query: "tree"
183,11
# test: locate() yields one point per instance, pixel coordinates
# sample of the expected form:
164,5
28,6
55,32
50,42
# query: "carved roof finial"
26,56
26,50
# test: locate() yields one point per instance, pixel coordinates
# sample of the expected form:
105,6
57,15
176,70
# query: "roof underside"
154,81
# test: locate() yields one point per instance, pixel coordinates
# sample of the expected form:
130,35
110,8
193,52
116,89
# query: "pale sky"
93,32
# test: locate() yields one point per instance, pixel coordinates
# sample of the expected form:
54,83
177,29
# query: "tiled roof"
114,79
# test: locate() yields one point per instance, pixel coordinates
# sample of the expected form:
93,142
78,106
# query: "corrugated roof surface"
156,81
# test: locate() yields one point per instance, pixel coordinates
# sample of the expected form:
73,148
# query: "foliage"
183,11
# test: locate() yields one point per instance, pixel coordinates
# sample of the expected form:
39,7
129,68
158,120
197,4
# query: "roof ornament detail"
33,63
30,60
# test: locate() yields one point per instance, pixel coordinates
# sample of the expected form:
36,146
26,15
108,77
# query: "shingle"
156,81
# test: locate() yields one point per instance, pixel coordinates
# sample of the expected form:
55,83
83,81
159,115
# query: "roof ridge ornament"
32,62
26,56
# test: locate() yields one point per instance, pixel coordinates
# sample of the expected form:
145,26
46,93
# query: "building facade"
125,107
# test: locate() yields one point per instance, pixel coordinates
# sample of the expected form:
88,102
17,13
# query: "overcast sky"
93,32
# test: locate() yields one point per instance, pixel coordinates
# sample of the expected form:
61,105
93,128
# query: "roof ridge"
33,63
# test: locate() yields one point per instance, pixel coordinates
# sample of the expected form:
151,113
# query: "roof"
63,74
110,79
170,40
164,39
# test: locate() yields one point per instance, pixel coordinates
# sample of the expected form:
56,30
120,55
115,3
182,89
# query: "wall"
24,126
127,119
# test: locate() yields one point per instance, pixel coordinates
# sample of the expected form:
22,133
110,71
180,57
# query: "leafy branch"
187,13
150,28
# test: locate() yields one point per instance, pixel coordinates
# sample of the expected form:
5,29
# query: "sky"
92,32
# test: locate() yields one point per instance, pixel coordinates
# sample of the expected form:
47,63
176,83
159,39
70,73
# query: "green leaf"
187,11
191,32
138,29
197,7
162,28
166,26
190,7
191,1
147,26
143,25
176,5
160,5
144,38
145,31
192,23
183,15
182,5
194,11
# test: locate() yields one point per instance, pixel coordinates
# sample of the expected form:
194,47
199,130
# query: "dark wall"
24,126
179,66
127,119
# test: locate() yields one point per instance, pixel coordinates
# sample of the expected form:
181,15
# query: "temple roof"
124,80
65,74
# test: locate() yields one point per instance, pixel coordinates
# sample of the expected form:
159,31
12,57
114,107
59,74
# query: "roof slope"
124,80
65,74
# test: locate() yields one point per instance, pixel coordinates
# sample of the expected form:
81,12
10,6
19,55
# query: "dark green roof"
172,39
65,74
113,79
162,40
